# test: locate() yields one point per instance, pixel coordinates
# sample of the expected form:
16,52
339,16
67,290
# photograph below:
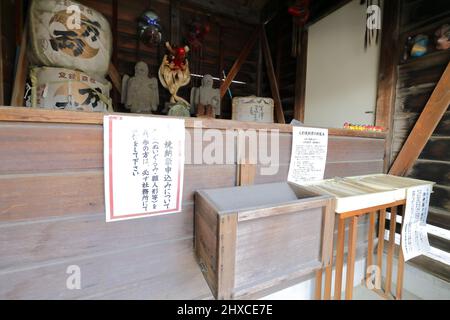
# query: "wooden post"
21,74
390,256
2,97
115,77
381,223
352,234
423,129
226,255
387,72
339,258
259,71
370,242
238,63
114,31
300,78
318,286
272,78
246,174
175,22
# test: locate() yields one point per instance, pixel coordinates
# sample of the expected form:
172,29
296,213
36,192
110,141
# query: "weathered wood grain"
170,273
437,171
25,244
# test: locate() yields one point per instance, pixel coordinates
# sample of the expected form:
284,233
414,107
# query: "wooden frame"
63,116
222,253
352,219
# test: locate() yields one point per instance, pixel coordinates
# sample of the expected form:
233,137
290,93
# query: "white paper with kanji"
144,166
414,225
308,155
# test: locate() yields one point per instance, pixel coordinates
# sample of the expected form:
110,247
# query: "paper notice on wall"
309,154
144,166
414,226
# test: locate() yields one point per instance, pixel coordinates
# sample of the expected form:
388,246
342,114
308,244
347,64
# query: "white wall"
341,77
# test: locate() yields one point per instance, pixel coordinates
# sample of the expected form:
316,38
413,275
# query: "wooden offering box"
257,239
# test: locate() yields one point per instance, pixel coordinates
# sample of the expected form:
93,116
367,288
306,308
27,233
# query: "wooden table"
370,195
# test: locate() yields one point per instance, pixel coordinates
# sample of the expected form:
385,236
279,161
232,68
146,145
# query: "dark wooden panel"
30,243
440,198
443,128
155,271
439,218
435,171
417,13
437,149
415,100
423,70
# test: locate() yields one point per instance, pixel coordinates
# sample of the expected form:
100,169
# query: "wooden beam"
423,129
115,77
387,73
238,63
175,22
21,74
246,174
259,71
272,78
2,97
300,78
114,30
19,21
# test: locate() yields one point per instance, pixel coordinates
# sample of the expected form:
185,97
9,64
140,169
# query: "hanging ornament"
149,28
300,15
197,32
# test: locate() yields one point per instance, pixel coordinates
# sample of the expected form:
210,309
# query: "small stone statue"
206,97
140,93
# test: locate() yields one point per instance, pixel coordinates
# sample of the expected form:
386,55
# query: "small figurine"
443,37
140,93
206,97
174,72
420,46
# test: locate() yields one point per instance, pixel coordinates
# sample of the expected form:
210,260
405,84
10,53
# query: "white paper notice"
144,166
309,154
414,228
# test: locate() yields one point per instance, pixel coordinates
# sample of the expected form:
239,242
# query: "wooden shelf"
22,114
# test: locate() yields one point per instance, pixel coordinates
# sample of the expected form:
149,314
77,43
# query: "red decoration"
197,33
177,57
300,10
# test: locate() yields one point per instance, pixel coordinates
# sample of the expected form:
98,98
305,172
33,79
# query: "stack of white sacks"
70,50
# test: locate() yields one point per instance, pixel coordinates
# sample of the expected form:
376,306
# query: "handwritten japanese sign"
309,154
144,166
414,226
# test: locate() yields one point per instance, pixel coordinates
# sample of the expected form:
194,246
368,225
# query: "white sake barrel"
60,88
67,34
253,108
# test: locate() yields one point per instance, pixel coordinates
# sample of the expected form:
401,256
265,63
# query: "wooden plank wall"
221,46
52,216
417,78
